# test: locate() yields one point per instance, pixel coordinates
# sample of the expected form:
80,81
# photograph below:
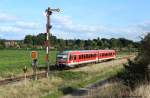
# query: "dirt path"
94,68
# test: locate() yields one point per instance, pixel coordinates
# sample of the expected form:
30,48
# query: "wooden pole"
25,75
48,27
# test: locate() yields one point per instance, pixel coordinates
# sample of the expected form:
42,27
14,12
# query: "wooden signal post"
34,55
48,27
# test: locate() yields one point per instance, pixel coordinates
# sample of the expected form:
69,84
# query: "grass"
80,79
118,90
58,84
12,61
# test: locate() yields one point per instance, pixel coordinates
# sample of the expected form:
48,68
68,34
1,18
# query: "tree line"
78,44
38,42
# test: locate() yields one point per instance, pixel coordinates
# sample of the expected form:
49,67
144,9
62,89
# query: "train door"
74,59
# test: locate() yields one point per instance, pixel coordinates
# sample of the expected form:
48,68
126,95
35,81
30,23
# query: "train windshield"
62,57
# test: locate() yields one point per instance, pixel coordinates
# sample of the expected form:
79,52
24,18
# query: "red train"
72,58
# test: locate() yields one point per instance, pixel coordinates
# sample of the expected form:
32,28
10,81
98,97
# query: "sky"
78,19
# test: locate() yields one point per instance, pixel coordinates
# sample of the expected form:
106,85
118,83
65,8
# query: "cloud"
7,29
27,25
12,27
4,17
65,23
65,27
71,29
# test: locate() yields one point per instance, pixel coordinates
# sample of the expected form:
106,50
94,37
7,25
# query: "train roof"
79,51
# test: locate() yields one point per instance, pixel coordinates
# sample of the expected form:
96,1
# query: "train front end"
62,59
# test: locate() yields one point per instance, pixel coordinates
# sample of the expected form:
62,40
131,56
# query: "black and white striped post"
48,27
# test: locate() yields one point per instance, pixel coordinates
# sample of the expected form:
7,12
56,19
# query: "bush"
136,71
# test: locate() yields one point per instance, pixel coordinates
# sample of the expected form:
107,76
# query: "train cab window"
70,57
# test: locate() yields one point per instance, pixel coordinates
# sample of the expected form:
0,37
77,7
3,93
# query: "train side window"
91,55
79,56
74,57
88,55
84,56
100,54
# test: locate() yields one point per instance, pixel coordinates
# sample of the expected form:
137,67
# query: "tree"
113,43
41,39
28,39
99,43
87,44
2,45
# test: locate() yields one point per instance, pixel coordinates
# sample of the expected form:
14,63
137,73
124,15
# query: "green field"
12,61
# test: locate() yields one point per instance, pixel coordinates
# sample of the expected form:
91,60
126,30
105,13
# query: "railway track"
20,78
42,74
